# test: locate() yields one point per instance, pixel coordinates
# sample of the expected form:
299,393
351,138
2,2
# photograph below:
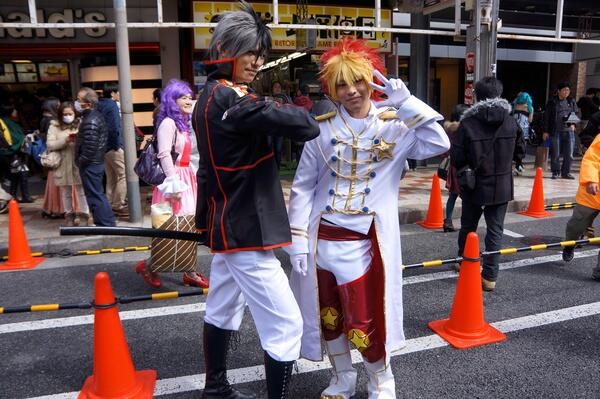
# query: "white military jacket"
350,176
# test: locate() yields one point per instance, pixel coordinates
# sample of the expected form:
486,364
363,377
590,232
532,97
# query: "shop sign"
285,39
67,15
469,78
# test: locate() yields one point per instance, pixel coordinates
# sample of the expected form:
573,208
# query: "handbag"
443,167
50,159
467,177
148,167
169,255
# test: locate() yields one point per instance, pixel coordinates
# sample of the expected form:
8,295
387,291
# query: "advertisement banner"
285,39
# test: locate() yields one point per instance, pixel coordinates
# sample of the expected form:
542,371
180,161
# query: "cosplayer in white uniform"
343,213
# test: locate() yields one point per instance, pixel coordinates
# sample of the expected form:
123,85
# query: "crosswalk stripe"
512,234
195,382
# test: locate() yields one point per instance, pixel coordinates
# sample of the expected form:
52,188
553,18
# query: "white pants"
255,278
66,194
346,260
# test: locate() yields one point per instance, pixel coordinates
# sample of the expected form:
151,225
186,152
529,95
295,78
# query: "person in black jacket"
240,204
488,139
90,147
561,133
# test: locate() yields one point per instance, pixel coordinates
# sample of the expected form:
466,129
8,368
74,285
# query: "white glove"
395,90
299,263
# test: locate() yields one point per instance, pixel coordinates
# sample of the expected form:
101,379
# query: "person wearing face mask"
62,134
180,187
52,207
90,147
240,205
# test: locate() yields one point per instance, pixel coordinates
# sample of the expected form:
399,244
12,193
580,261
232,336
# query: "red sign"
470,62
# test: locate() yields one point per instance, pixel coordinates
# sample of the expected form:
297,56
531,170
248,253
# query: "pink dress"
180,177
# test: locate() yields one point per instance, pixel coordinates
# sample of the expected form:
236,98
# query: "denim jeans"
494,219
91,179
562,144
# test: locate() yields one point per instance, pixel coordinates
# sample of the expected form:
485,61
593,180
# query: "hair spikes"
351,60
263,32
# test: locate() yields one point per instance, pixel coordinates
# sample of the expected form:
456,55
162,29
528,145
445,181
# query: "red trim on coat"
212,210
251,166
216,172
228,251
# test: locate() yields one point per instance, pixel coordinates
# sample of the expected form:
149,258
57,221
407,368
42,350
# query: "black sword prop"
132,231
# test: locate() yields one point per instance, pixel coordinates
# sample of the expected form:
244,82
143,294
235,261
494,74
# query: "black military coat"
240,202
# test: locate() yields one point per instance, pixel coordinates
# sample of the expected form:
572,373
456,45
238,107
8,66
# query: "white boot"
343,381
381,383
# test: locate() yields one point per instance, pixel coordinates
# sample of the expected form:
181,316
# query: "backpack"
11,137
523,122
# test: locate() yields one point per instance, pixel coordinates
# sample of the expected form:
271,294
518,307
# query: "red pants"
354,308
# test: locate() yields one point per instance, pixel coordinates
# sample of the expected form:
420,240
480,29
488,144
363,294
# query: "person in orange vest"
588,202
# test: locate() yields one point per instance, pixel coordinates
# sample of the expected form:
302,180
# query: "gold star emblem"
359,339
384,149
330,318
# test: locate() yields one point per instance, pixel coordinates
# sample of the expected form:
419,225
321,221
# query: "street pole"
481,44
123,66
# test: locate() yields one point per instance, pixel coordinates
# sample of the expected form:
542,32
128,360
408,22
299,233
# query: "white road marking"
82,320
195,382
200,307
512,234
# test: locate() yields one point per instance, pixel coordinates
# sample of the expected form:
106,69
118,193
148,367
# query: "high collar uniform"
349,176
240,202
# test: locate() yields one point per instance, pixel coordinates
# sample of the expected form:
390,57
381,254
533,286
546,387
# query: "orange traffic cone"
466,327
19,254
536,203
114,374
435,213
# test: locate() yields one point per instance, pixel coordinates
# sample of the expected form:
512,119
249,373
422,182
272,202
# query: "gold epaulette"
324,117
388,115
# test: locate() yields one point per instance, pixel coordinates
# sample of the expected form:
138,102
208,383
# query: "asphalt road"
549,310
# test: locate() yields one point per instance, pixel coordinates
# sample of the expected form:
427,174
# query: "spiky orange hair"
350,61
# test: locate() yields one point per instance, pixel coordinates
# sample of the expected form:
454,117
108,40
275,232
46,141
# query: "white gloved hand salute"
299,263
395,90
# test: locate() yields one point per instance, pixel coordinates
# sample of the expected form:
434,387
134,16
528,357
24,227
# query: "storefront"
295,54
37,63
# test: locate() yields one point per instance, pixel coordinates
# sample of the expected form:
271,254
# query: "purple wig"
168,104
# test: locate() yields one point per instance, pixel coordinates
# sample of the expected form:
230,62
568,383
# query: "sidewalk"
415,188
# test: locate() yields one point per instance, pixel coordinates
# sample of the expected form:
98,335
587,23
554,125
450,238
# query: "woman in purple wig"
179,188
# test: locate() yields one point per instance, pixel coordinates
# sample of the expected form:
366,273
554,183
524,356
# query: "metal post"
477,22
378,13
457,17
275,11
159,10
559,18
124,66
32,12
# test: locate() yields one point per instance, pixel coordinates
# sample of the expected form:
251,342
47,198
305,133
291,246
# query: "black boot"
278,377
448,227
216,344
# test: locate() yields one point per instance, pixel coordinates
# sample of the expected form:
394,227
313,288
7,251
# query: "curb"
56,244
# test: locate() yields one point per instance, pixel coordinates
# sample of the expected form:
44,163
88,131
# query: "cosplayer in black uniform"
240,204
